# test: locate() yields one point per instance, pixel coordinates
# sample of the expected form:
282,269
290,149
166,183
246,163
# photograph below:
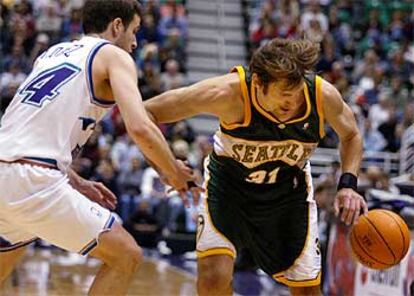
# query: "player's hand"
99,193
187,175
348,205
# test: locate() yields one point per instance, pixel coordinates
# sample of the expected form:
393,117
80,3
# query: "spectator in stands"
149,81
12,78
152,187
399,67
172,77
173,48
143,225
106,174
314,14
72,25
49,22
380,112
181,130
149,32
17,56
373,139
129,182
41,44
287,16
172,17
266,31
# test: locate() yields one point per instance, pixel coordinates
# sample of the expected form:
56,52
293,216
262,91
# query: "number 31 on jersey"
263,177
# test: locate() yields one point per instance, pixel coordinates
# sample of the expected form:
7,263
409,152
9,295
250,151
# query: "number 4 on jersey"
46,85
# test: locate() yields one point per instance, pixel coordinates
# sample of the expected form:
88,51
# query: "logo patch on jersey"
306,126
96,212
86,122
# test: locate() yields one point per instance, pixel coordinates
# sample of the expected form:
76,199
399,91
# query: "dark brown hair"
284,59
97,14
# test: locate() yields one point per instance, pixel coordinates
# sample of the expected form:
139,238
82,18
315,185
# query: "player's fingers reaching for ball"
337,206
351,211
345,208
364,205
357,211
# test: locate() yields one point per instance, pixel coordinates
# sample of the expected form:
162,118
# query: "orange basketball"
380,240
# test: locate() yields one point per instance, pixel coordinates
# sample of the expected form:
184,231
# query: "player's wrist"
348,180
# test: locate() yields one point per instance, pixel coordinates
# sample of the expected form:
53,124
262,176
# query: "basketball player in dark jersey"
258,185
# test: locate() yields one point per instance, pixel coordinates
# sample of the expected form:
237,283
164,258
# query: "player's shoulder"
112,54
227,85
332,98
329,90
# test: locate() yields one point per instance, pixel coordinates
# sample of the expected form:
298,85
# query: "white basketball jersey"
54,111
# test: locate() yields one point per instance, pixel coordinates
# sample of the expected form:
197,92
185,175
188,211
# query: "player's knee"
130,257
118,249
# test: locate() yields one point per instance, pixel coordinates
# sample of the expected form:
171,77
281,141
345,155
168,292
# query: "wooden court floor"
46,272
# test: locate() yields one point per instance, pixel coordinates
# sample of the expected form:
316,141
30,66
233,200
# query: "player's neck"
100,35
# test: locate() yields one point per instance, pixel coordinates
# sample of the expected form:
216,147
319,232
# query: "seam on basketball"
366,252
383,239
402,234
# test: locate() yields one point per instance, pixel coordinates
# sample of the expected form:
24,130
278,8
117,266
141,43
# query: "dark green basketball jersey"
263,151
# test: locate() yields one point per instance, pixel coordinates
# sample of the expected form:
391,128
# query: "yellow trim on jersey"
207,172
272,118
319,105
306,283
215,251
246,101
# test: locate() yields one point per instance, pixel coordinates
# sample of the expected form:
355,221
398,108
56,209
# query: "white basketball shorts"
36,202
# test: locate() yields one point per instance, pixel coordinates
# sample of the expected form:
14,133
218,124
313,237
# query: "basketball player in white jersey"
53,113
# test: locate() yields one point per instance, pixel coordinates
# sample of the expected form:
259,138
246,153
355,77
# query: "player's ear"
117,26
256,80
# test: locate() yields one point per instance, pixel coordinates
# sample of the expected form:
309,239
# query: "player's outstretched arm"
211,96
122,76
339,115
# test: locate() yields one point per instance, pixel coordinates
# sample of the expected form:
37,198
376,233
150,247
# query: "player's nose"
134,43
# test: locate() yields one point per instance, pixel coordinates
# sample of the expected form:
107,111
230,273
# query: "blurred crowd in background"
367,53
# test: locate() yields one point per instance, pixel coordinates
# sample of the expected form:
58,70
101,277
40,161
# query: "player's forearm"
74,179
155,148
351,151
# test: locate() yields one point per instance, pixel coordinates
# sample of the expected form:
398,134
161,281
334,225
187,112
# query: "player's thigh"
117,245
215,269
55,212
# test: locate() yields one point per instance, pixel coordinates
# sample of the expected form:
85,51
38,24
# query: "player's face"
281,100
127,38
